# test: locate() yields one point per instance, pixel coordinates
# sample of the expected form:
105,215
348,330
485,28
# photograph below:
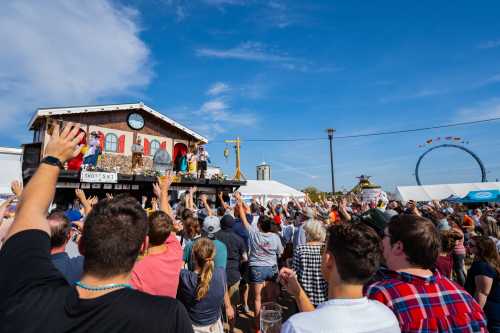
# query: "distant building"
263,171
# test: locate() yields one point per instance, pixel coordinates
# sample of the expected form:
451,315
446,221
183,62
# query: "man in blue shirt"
211,225
60,234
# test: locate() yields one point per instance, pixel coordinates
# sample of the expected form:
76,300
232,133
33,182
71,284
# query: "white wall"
11,169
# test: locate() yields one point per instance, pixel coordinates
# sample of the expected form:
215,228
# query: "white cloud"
252,51
482,110
59,53
218,88
491,44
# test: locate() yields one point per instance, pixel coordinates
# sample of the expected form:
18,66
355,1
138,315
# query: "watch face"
135,121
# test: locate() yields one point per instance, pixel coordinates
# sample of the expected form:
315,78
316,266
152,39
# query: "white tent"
265,190
441,191
10,160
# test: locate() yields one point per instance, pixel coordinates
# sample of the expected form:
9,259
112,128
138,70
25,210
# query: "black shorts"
202,165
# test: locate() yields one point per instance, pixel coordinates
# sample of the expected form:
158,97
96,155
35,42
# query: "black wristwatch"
51,160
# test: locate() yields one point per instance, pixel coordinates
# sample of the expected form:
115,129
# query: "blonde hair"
315,231
204,253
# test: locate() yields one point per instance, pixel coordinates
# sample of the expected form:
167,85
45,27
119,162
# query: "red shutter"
163,145
146,147
101,140
121,144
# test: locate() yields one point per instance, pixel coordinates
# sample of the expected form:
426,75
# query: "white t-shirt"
359,315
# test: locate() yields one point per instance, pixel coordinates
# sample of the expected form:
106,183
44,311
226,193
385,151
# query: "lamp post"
330,132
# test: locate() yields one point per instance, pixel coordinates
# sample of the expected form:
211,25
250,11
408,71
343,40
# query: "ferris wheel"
448,146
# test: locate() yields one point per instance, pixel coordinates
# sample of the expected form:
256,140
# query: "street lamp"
330,132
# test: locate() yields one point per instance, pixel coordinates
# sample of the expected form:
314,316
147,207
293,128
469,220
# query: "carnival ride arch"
448,145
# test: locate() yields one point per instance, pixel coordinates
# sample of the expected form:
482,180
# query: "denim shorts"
259,274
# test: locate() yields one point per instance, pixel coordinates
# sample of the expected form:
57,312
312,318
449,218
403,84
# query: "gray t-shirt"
265,247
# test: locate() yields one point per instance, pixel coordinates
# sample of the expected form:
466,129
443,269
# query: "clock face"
135,121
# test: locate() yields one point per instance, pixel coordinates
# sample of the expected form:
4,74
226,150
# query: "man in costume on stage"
137,152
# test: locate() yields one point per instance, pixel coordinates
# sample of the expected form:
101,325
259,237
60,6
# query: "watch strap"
51,160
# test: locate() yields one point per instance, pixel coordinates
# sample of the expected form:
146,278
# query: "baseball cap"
227,222
211,225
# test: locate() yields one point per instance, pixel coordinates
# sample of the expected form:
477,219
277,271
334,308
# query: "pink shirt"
158,274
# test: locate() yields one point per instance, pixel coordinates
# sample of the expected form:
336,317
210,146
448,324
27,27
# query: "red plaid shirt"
432,304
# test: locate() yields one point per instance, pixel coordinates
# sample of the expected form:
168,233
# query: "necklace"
103,287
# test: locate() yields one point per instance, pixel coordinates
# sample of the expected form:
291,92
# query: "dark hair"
60,228
254,208
112,236
357,251
487,251
420,239
186,213
265,223
160,225
448,239
191,227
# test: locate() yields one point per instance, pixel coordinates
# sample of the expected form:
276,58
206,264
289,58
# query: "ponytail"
204,253
204,279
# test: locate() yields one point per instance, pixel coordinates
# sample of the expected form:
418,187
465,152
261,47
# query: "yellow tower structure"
237,145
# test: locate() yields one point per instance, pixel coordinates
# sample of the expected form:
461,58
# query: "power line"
372,134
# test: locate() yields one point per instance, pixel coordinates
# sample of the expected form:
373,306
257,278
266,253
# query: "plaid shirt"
432,304
307,265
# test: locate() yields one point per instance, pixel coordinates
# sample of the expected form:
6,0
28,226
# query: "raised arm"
39,192
343,209
87,207
161,189
241,210
204,200
223,203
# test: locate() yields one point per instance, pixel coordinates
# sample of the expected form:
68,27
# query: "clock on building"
135,121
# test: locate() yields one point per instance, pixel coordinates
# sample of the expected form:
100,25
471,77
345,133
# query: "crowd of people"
194,264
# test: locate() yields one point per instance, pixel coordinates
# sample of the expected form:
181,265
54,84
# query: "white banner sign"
98,177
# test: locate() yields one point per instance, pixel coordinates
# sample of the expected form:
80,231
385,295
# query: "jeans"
458,268
260,274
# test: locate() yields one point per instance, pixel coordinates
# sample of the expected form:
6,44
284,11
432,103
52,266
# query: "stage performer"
137,152
203,160
93,150
192,161
75,163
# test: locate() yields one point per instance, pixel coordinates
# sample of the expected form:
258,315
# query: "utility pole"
330,132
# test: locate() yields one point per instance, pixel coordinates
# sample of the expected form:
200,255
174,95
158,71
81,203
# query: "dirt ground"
244,322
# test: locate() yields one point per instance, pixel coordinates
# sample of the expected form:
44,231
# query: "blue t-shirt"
239,228
207,310
70,268
220,259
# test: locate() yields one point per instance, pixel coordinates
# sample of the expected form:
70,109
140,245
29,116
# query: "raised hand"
80,194
93,200
109,196
17,188
63,145
156,189
288,278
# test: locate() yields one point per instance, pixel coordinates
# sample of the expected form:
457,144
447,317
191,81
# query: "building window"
111,143
155,145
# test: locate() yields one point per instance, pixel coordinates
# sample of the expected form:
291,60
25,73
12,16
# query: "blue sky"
272,69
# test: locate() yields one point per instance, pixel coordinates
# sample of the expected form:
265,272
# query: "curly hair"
112,236
357,250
